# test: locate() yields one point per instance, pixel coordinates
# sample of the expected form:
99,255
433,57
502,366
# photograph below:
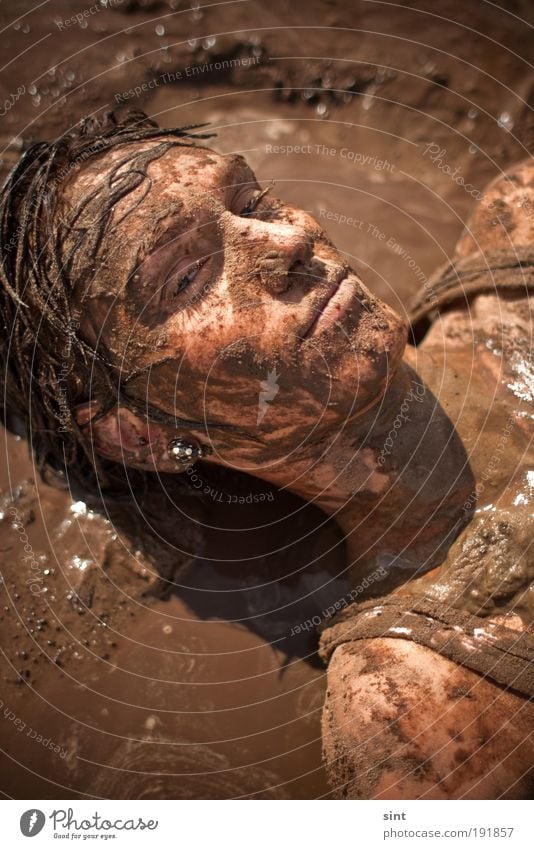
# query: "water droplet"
36,100
32,90
472,113
192,43
160,29
208,42
26,28
80,563
472,149
321,110
505,121
70,75
79,508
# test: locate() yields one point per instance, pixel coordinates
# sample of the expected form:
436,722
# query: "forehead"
180,180
199,166
180,167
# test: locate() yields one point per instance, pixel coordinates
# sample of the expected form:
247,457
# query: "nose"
274,250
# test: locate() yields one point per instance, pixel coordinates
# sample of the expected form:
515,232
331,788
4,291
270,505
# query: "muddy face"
245,311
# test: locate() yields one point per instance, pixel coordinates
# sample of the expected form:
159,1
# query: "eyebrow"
172,213
233,161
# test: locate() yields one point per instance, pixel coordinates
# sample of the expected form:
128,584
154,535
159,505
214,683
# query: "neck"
346,464
385,477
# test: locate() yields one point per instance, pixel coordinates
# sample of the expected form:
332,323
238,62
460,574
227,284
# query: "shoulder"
502,320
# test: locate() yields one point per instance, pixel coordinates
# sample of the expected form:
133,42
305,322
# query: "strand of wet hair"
32,284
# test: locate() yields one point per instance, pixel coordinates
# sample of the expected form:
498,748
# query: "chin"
357,363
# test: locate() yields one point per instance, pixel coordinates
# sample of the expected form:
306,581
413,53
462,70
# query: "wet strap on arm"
501,654
482,273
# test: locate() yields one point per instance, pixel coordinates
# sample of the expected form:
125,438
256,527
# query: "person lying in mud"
149,286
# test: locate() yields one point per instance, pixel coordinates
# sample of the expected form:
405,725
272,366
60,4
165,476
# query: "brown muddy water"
147,647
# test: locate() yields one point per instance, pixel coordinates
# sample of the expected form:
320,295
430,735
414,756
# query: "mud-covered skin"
489,570
263,279
262,282
327,434
401,721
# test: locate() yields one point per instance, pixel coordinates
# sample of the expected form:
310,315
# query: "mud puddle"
151,657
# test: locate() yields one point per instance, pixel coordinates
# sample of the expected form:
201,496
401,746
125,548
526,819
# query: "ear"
122,436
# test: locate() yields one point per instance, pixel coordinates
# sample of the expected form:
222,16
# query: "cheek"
214,372
223,330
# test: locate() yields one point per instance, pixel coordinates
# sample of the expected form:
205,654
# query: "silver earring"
184,452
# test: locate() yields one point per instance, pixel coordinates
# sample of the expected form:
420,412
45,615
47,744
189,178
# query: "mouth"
329,309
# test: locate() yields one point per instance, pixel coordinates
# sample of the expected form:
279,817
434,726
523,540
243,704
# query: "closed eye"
253,202
179,282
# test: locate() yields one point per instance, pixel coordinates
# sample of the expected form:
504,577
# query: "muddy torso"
451,514
479,364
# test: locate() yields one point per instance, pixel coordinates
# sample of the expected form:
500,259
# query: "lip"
319,308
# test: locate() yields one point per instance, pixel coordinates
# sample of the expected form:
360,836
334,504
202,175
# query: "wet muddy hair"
47,367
